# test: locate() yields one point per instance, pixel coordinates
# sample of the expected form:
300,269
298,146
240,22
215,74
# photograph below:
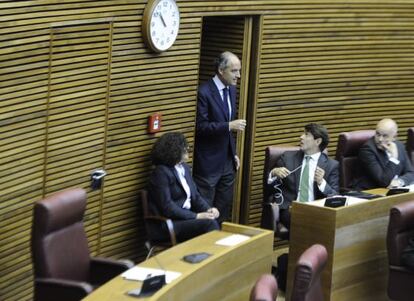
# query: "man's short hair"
222,61
318,131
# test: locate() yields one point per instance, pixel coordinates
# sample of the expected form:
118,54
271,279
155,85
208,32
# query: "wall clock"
161,22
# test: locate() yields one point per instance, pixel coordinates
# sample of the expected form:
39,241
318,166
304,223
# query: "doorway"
240,35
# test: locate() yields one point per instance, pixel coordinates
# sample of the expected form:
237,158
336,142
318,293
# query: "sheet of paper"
350,200
141,273
232,240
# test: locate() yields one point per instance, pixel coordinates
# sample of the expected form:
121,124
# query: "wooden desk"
228,274
355,237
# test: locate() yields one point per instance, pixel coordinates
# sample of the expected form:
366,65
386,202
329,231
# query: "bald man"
383,159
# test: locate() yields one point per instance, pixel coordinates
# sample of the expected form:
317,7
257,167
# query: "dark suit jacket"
290,184
214,142
378,171
167,195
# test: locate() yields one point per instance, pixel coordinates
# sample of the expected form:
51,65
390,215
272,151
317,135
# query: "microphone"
149,248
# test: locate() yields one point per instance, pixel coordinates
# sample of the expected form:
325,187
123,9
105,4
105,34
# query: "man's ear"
318,141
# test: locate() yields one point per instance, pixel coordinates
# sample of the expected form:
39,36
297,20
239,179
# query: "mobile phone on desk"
196,257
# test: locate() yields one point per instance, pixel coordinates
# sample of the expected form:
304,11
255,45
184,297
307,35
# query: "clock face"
162,24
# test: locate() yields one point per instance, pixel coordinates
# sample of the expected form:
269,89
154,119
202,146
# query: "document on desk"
232,240
141,273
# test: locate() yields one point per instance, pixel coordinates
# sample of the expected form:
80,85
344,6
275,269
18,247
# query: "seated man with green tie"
304,175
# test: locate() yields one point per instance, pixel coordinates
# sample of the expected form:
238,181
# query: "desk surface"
355,238
228,274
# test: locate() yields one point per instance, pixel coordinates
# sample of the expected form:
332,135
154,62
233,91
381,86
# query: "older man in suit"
383,159
215,158
305,175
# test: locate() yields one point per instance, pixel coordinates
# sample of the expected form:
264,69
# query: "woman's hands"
211,213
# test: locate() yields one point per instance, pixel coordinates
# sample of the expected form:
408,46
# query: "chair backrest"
307,280
347,150
145,208
272,154
59,243
410,144
265,289
400,228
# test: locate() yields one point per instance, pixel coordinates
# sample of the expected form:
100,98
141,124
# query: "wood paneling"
77,85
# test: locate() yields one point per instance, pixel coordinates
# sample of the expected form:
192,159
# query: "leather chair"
63,268
400,228
265,289
410,144
270,211
153,244
307,279
347,150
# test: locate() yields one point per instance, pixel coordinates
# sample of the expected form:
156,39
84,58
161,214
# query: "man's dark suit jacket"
214,141
167,195
290,184
378,171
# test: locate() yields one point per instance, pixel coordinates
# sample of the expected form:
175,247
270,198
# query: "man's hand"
396,183
280,172
237,125
237,160
391,148
214,211
319,173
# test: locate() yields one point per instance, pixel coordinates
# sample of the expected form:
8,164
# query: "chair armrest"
104,269
52,289
169,224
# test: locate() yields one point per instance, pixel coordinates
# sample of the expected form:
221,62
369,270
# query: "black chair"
154,244
63,267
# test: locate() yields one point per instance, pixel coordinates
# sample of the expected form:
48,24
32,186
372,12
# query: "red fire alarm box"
154,123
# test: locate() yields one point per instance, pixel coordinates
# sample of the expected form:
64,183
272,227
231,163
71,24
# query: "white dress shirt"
313,163
220,86
181,174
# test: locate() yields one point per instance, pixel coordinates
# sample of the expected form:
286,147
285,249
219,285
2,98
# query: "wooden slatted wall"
346,64
343,64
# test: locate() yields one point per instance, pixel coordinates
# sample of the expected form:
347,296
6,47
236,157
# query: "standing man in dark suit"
383,159
215,158
305,175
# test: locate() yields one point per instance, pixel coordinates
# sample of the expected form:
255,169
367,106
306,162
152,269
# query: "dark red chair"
270,211
307,279
265,289
347,150
410,144
400,228
63,268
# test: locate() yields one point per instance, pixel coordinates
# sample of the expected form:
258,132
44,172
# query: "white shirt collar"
315,156
219,84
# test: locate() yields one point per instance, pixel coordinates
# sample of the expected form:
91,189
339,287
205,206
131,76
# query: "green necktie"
304,182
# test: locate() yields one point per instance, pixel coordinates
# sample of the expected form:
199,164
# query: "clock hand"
162,19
